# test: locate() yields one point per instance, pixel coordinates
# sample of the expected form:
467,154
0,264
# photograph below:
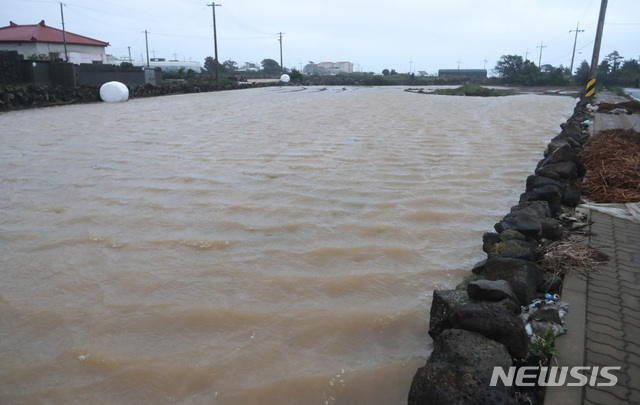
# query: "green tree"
582,74
529,75
230,66
509,67
603,68
210,64
626,75
296,76
270,67
613,58
385,72
631,65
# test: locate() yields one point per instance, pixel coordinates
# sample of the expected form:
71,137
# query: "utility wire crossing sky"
405,35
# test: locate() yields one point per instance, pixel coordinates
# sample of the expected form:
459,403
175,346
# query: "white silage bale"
114,92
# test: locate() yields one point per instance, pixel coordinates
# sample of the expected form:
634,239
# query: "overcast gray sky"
416,35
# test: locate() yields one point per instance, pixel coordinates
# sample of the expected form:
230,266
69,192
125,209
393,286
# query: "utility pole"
596,50
64,36
280,39
526,56
146,40
485,64
215,38
130,60
573,55
540,59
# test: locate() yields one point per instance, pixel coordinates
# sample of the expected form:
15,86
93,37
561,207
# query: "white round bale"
285,78
114,92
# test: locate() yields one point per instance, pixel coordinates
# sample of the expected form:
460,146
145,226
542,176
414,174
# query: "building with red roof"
40,39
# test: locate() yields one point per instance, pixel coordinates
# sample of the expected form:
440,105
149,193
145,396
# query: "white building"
40,39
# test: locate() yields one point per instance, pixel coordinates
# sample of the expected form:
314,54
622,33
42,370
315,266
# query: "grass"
473,90
543,345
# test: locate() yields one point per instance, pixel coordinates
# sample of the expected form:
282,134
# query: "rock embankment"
481,324
18,98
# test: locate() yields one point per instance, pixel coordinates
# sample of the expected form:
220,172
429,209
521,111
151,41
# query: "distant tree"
509,66
296,76
126,65
529,75
385,72
582,73
210,64
270,67
230,66
626,75
631,65
393,72
603,68
613,59
547,68
557,77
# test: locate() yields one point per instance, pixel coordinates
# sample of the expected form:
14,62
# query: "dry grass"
569,255
612,158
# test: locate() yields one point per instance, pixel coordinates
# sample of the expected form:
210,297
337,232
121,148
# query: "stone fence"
18,98
481,324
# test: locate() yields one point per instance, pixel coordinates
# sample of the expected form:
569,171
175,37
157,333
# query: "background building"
40,39
328,68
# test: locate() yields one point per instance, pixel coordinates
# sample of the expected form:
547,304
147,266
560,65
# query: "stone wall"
18,98
10,67
481,324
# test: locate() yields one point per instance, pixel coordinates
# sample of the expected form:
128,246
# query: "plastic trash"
554,297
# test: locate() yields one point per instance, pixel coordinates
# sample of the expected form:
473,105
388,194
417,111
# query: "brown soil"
632,106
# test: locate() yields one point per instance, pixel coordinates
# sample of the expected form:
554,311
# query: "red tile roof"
42,33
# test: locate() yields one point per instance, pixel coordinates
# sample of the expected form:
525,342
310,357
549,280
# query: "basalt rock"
443,305
517,249
490,290
489,240
443,383
551,229
461,351
570,196
512,243
478,268
563,171
523,276
538,208
525,218
495,322
565,153
551,193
